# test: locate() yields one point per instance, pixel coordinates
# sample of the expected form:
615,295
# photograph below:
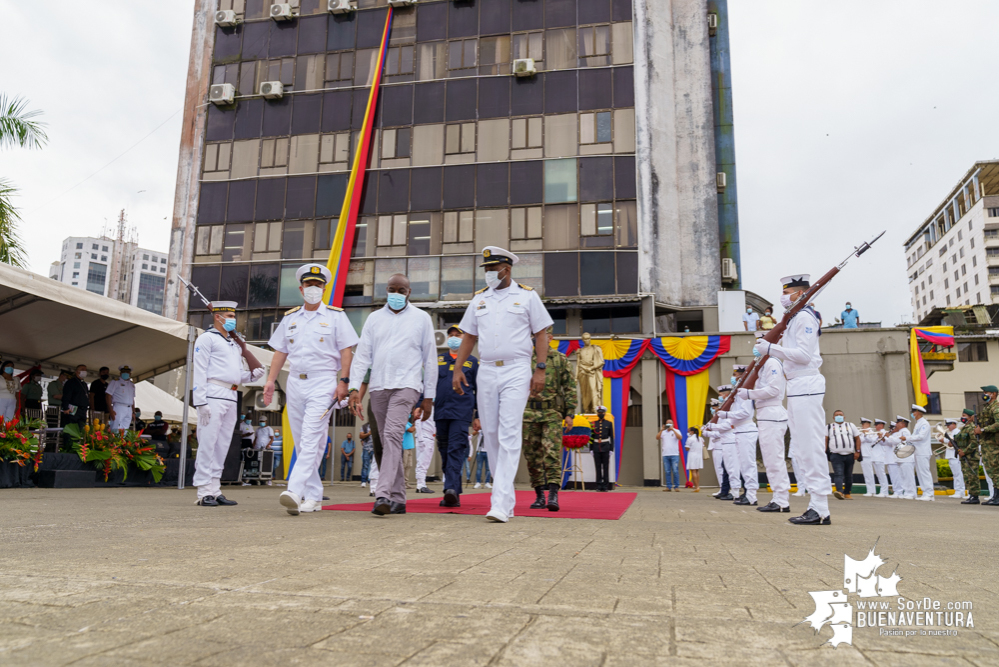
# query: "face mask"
785,300
8,369
769,313
848,306
263,423
839,419
125,376
82,374
712,410
454,343
229,324
396,301
964,420
157,418
105,376
492,278
756,353
242,416
732,380
313,295
749,310
986,398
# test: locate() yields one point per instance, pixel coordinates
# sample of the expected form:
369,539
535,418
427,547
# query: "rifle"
251,360
748,380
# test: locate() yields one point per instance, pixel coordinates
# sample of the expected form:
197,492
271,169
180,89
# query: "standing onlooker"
751,319
31,392
367,451
246,432
54,390
695,457
121,399
347,458
670,439
75,401
409,449
263,438
9,389
843,446
767,321
850,317
601,446
98,393
474,444
480,466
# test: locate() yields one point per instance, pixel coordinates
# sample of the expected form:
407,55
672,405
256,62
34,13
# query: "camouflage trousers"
969,466
990,458
543,450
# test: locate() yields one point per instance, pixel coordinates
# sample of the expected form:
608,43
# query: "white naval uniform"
426,432
955,465
313,341
923,455
903,478
746,435
218,367
121,394
723,437
799,350
717,456
873,464
505,322
771,418
884,459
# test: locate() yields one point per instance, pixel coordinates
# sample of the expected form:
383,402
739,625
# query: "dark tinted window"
306,115
331,190
622,10
277,117
528,95
594,11
370,26
624,177
595,89
596,272
627,274
627,319
526,183
241,197
431,21
336,111
207,280
360,108
459,186
595,182
494,97
228,42
301,197
233,285
284,35
393,191
263,287
462,18
492,183
211,204
419,239
397,106
624,87
426,189
494,17
312,34
255,40
340,36
461,100
270,199
560,13
597,320
528,15
248,119
560,92
369,198
429,102
220,123
561,274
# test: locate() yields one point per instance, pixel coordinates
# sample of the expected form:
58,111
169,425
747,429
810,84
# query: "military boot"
539,503
553,497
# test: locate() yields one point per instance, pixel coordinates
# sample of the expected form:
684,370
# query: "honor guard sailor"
723,434
120,397
903,476
921,440
746,435
316,339
799,350
218,371
867,438
504,318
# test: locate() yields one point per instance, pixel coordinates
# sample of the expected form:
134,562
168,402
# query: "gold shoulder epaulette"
528,288
289,312
333,308
481,291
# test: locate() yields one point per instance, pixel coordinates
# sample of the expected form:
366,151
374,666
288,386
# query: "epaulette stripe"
527,287
482,290
335,308
289,312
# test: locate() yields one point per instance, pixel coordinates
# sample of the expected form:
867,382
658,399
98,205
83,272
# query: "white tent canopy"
150,399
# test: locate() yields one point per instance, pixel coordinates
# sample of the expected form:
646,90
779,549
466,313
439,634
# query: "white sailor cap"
223,306
900,418
126,367
796,280
740,368
493,255
759,334
918,408
602,408
880,421
715,401
865,419
313,272
723,388
950,420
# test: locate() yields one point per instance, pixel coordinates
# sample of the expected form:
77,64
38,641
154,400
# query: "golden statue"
589,376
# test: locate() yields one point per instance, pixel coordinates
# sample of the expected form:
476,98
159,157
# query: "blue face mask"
125,376
263,423
8,369
838,419
756,353
712,410
454,343
229,325
396,301
732,380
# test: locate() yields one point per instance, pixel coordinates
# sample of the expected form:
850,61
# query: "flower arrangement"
578,435
18,444
111,450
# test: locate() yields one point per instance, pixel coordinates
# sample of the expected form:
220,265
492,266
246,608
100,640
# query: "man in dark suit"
454,413
75,402
601,445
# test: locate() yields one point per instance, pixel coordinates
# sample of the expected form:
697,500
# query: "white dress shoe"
497,517
478,485
291,502
799,493
489,485
868,495
310,506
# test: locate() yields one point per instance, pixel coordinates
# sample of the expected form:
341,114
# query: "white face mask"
313,295
82,374
492,278
786,301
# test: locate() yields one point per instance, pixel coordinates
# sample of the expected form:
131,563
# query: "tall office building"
952,258
610,171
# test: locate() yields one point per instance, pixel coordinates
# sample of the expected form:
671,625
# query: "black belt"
540,405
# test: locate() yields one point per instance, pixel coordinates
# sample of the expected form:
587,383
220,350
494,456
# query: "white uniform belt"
770,403
306,375
506,362
222,383
124,405
805,372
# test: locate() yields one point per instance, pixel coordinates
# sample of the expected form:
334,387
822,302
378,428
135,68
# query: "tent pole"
182,473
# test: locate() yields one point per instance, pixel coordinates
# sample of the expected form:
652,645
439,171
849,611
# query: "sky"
851,117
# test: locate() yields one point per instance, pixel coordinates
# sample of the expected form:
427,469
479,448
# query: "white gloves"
204,415
256,374
722,414
742,393
763,347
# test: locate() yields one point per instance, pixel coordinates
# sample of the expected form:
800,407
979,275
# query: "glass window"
431,61
627,273
560,181
424,278
297,240
428,145
561,274
334,149
339,69
526,132
263,286
245,155
461,100
494,55
309,72
594,46
622,46
237,244
973,351
526,182
459,187
595,128
79,246
561,228
458,226
400,62
627,224
396,106
462,57
364,68
494,97
561,92
492,227
528,45
596,273
217,158
384,268
304,153
494,140
403,25
325,233
96,278
289,295
457,274
560,136
150,295
266,237
234,281
363,245
529,271
595,183
419,237
274,153
459,139
596,220
209,240
624,131
561,49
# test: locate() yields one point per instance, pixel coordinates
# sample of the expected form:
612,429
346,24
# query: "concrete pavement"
142,576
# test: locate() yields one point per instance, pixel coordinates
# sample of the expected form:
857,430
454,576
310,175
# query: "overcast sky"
850,117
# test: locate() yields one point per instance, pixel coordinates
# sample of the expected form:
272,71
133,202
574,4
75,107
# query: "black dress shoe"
727,496
444,503
810,518
424,490
382,506
971,500
451,498
397,508
773,507
207,501
222,500
994,500
326,497
741,500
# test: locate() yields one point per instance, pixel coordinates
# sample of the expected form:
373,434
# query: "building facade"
116,269
599,171
952,259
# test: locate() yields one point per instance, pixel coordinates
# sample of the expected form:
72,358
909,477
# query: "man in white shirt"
397,344
120,396
903,479
316,340
867,438
264,436
751,319
746,436
669,440
507,320
950,453
843,446
922,440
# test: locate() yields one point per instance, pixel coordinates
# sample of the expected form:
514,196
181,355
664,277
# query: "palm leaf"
11,248
18,126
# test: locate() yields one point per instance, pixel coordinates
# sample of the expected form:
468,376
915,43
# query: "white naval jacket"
741,415
217,357
768,394
799,346
893,441
313,339
921,438
505,322
121,392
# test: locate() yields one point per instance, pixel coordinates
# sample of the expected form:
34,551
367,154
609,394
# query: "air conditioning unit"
402,3
340,6
730,273
440,337
712,21
720,180
272,89
524,67
281,12
226,18
222,94
277,401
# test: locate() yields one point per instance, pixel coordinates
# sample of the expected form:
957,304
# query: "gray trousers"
391,409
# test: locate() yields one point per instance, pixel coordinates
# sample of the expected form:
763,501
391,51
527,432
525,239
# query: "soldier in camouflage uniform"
966,446
543,428
988,431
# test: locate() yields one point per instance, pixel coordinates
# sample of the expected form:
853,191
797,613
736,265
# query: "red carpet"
575,505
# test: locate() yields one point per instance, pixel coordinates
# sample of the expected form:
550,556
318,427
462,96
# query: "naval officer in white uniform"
746,434
921,440
317,340
508,320
799,350
218,371
121,399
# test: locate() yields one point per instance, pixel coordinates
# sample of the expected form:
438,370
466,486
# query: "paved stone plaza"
142,576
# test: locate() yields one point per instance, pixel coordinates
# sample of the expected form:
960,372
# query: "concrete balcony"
938,361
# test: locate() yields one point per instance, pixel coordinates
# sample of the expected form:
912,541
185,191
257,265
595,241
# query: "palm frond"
18,126
11,248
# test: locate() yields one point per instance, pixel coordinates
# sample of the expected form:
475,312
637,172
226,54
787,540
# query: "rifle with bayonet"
251,360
